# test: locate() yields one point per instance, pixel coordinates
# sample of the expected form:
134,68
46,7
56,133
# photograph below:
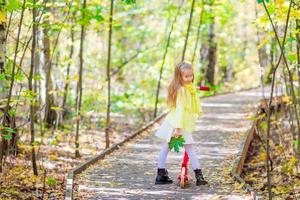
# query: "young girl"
184,107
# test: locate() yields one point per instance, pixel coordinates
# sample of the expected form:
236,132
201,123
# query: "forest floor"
285,179
130,172
55,159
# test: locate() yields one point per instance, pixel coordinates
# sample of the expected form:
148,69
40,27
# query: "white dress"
165,132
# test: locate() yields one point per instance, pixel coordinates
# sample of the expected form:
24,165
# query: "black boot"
199,177
162,177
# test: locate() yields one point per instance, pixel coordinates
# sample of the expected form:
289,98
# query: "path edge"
246,141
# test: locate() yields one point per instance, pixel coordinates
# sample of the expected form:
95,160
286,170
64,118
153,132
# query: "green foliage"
2,76
51,181
97,13
57,108
12,5
90,102
129,1
176,143
36,143
295,143
7,133
9,130
292,57
19,76
289,165
12,112
7,137
28,94
52,142
260,1
264,125
86,15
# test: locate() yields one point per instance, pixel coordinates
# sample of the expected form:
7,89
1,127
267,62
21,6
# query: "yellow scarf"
194,104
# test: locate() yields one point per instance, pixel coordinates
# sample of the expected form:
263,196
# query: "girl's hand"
176,132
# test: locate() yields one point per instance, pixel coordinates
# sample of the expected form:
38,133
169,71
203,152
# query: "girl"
184,107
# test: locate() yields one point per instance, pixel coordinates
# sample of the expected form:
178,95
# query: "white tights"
189,150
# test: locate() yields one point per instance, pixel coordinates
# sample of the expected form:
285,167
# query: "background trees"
63,74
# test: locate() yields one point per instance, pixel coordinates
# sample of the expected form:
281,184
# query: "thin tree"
107,123
272,90
262,55
12,80
32,101
49,113
67,83
290,77
212,49
298,57
2,63
188,30
164,59
298,73
79,84
198,32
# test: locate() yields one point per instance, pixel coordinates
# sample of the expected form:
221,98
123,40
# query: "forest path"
129,172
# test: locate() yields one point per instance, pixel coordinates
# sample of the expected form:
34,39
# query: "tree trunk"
188,30
298,58
79,86
49,117
212,50
298,73
47,97
198,32
67,83
32,101
273,57
107,123
164,59
2,85
7,120
282,46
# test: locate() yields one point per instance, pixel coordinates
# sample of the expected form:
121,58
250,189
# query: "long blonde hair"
177,82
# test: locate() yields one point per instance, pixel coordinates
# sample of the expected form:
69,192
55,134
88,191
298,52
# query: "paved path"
129,173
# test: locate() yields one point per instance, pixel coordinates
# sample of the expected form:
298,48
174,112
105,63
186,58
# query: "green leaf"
260,1
291,39
7,137
56,108
2,76
13,5
117,26
51,181
292,57
129,1
28,94
97,16
252,117
176,143
36,143
19,76
264,125
52,142
295,142
10,130
12,112
86,16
